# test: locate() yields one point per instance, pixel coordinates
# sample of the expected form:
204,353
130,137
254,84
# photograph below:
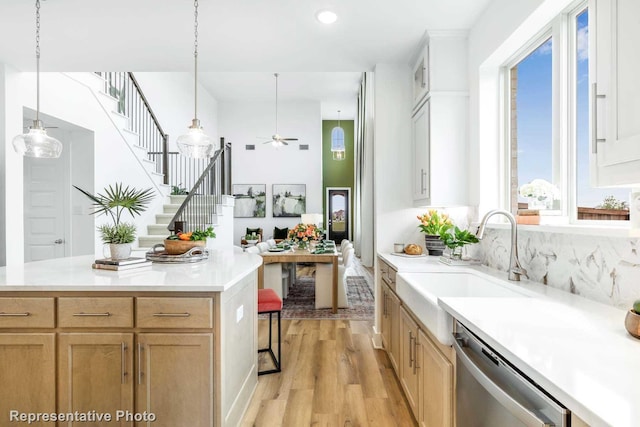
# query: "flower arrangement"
434,223
305,233
541,190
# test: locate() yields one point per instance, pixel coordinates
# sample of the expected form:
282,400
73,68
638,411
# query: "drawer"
27,313
165,312
95,312
391,278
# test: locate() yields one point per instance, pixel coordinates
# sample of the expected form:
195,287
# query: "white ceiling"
253,37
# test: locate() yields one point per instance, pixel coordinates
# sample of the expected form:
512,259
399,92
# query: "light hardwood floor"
332,376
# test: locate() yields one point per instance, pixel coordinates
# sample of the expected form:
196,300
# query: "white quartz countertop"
576,349
221,271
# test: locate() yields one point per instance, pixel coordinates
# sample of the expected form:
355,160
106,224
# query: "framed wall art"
250,200
289,200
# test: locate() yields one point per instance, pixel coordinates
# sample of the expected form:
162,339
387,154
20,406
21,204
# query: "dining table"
327,255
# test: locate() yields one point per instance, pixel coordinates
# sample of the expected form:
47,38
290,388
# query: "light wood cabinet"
27,370
391,325
409,362
615,97
95,373
174,379
190,359
436,385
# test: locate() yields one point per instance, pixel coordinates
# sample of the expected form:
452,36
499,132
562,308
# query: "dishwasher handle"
515,407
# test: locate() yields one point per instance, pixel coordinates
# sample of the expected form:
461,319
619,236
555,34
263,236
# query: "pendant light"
337,141
195,143
36,142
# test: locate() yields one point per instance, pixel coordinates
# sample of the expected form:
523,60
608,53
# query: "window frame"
563,32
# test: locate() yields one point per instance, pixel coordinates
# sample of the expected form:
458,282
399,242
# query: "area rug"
300,303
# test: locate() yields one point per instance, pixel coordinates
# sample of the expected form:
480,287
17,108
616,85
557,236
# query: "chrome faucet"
515,269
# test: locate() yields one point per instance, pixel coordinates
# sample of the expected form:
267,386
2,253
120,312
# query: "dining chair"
252,250
324,282
262,246
271,242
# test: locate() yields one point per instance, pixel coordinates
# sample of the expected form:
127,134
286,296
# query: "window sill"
613,230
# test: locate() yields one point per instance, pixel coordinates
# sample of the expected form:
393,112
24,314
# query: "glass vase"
302,245
456,253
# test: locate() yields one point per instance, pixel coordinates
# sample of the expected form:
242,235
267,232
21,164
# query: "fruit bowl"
178,247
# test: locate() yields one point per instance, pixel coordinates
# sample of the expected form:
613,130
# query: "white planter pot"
119,251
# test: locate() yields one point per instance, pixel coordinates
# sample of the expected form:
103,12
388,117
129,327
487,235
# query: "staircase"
130,112
222,222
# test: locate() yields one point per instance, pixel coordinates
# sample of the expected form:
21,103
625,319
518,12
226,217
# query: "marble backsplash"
604,269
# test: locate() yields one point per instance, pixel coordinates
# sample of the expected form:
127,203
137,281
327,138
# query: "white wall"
171,97
68,97
392,147
11,212
247,122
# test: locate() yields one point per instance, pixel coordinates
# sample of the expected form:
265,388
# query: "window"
531,103
548,127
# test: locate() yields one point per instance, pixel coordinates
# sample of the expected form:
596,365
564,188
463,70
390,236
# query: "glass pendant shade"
337,143
195,143
36,143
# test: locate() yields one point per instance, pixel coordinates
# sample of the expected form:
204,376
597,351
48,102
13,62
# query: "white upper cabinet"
615,98
439,120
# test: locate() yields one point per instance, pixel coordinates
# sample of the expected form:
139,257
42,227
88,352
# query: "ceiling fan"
278,140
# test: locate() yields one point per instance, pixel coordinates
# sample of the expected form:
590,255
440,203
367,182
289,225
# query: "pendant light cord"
195,60
276,74
38,60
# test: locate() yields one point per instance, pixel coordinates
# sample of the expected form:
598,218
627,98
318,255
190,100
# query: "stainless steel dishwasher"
490,392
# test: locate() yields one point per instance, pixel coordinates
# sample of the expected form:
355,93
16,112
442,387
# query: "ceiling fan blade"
267,142
284,143
289,139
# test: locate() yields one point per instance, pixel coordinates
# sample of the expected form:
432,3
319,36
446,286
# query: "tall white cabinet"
439,120
614,33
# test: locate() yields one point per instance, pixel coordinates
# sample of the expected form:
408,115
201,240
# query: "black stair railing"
200,206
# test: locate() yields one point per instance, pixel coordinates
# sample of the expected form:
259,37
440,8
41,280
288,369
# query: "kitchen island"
166,345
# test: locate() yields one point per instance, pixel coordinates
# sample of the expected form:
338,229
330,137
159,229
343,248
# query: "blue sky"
534,99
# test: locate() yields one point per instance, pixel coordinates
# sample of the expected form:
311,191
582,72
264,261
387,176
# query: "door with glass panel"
338,213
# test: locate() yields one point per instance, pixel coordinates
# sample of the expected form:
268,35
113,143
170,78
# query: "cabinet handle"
123,351
415,355
410,348
594,118
384,304
25,314
171,314
140,373
423,186
106,314
423,83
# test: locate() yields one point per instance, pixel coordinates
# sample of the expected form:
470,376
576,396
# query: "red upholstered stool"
269,302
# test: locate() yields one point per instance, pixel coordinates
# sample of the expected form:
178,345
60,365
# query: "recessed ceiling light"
326,16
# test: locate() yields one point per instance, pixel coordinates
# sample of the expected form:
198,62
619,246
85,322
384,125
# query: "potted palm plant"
116,200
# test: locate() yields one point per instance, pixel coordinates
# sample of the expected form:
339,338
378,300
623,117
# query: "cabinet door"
408,359
436,385
420,143
615,101
27,369
96,374
393,309
175,379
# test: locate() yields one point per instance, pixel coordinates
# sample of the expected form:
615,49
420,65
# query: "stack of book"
121,264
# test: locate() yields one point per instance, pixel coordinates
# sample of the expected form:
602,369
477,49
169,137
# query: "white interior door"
45,208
